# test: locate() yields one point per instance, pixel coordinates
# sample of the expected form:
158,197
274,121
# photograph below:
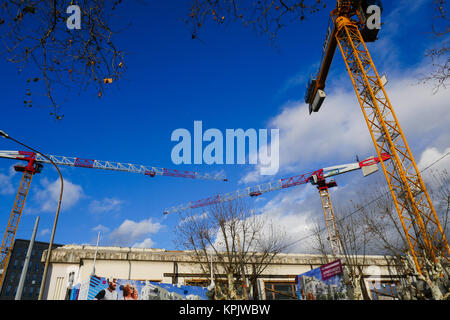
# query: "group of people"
110,293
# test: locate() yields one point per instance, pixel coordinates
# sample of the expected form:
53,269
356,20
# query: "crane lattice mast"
424,233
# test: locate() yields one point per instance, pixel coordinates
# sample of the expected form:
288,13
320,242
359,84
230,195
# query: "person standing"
109,293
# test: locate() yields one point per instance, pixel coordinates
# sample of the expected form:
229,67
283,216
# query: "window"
280,290
18,252
71,280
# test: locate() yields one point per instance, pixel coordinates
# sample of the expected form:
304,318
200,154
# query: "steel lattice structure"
418,217
317,178
34,165
13,223
330,219
423,232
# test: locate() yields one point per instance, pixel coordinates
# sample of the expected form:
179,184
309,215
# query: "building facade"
34,273
72,264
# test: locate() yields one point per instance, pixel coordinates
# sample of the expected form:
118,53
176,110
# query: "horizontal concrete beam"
73,254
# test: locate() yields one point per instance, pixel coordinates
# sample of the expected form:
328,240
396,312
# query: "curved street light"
47,258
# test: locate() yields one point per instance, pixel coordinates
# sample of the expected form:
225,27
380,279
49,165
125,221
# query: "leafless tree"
385,230
241,243
372,225
266,17
36,38
439,55
354,243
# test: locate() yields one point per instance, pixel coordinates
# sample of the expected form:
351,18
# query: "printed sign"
331,269
99,288
323,283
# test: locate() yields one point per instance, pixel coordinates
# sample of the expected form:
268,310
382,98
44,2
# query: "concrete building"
14,270
73,264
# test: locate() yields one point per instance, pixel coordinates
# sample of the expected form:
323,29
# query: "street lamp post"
47,258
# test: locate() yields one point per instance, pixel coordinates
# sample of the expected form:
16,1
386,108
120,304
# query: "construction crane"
350,31
317,178
34,165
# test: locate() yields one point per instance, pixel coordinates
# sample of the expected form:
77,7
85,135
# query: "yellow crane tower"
350,31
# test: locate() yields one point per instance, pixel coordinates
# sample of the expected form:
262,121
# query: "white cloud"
48,197
147,243
252,176
101,228
105,205
290,217
338,131
130,232
6,186
431,155
191,218
295,212
433,163
44,232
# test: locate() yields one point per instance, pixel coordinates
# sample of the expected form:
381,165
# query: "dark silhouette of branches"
264,16
240,243
36,38
439,55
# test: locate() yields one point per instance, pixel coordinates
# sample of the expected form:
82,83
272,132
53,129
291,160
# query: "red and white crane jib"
247,192
368,165
315,177
32,158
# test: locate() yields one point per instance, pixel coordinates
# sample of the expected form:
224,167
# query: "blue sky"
232,79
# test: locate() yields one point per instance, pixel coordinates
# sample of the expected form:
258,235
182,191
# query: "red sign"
331,269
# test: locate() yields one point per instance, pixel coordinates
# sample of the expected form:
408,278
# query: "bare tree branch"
36,38
242,244
266,17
